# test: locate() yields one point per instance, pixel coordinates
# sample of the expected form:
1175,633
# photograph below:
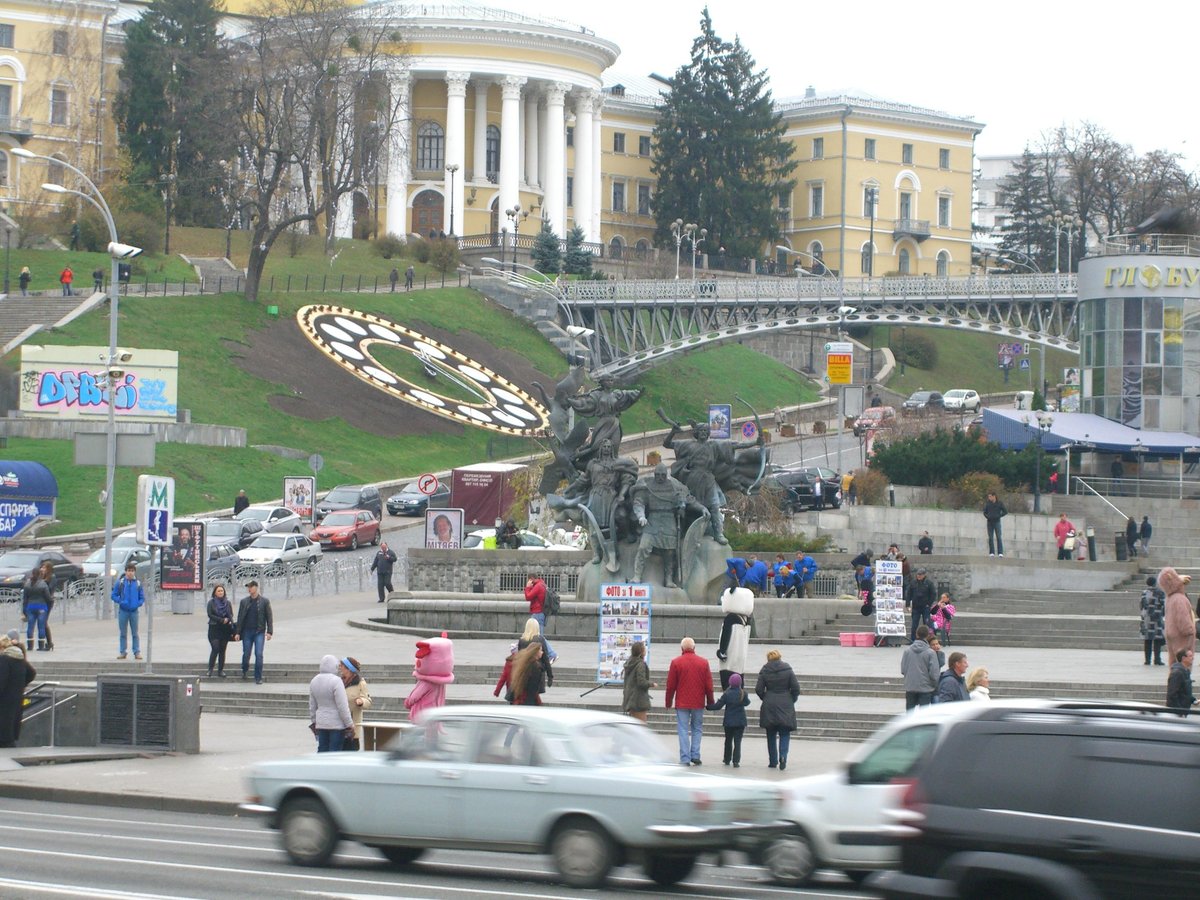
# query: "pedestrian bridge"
636,324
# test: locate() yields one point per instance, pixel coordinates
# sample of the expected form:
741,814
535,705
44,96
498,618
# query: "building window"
58,42
816,200
905,263
865,261
943,212
7,36
615,248
618,196
493,153
58,106
570,190
431,147
642,250
644,200
869,148
5,103
1001,199
570,135
818,148
943,264
643,145
906,156
944,158
56,172
3,169
905,205
618,142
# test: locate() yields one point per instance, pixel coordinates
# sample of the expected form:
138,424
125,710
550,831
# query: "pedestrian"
979,684
818,488
1064,536
852,497
44,592
358,696
925,544
734,701
328,709
919,666
240,502
778,690
533,635
535,594
735,572
23,279
1131,536
255,626
935,644
757,575
15,675
1179,682
528,676
864,580
394,278
220,629
1117,470
847,484
689,691
1144,533
1179,622
951,686
781,575
409,274
920,596
65,278
504,682
98,279
804,570
127,593
1152,608
635,698
940,616
993,512
382,565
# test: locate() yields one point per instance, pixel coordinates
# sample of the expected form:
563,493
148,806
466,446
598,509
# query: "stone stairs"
217,274
19,313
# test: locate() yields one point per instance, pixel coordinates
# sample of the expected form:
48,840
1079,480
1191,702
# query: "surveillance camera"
123,251
115,373
125,355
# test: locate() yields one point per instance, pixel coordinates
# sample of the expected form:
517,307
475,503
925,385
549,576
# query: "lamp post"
679,231
450,170
1062,221
7,255
1044,421
112,371
843,311
872,199
515,217
692,235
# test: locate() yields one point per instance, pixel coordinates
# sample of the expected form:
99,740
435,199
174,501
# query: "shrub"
972,489
915,349
420,249
936,458
389,246
546,252
870,487
742,541
443,254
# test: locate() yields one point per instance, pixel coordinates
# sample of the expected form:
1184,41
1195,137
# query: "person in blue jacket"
806,570
127,593
757,575
734,700
735,572
781,575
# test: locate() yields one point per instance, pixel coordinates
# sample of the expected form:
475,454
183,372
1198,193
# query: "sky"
1021,67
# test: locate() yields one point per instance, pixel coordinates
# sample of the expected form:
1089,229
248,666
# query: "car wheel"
790,859
311,564
668,870
376,538
858,876
354,542
583,853
309,834
402,856
296,530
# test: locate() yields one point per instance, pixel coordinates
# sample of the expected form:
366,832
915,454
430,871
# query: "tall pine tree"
1027,195
720,155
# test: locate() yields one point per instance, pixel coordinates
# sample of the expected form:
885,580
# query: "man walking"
127,593
689,690
993,512
919,666
952,686
920,597
255,626
394,278
409,274
240,502
381,565
1144,533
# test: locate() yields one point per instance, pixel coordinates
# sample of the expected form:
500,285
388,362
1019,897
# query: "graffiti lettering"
154,396
83,389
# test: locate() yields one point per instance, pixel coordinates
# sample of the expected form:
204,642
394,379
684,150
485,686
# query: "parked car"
874,418
529,541
350,496
409,501
346,528
239,532
222,560
140,556
803,486
275,519
276,553
1070,800
591,789
15,566
922,402
961,400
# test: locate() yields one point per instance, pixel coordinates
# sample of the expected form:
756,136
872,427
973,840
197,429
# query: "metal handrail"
1082,483
55,702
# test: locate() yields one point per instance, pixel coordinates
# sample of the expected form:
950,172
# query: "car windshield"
270,541
620,744
20,559
954,395
224,529
920,395
256,512
97,556
409,490
473,540
339,520
342,495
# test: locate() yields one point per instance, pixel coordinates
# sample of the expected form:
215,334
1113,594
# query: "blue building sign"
28,492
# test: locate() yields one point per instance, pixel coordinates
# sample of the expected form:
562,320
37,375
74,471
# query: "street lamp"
113,371
1062,221
7,255
450,170
692,235
1044,421
873,200
679,231
515,217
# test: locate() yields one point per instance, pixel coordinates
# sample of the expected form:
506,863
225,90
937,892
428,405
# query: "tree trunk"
254,269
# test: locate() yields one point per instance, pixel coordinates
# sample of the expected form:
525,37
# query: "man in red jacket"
535,593
689,690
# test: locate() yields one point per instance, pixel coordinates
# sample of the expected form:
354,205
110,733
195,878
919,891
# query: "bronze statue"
602,488
659,503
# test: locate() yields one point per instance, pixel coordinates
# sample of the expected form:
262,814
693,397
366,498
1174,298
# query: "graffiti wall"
70,382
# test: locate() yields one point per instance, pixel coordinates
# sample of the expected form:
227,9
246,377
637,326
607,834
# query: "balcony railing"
914,228
16,125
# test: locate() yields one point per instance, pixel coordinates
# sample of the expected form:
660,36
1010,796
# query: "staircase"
19,313
217,274
539,308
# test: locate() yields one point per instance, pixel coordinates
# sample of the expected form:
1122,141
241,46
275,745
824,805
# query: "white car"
961,400
276,553
529,541
275,519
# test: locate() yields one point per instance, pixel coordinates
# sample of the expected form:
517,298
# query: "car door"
508,773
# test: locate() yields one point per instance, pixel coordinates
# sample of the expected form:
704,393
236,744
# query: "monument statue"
602,488
659,503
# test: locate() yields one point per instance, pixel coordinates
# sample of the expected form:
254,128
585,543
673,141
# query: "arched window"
5,181
616,248
493,153
431,147
943,263
866,262
817,263
642,249
905,264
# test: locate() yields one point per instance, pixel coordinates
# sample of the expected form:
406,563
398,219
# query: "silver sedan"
275,519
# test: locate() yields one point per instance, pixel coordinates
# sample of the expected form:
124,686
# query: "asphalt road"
68,850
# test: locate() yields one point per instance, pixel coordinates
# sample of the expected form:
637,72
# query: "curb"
122,801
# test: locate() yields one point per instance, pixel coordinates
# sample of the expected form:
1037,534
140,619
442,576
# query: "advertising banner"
71,382
298,493
443,529
889,598
839,362
624,621
719,416
182,565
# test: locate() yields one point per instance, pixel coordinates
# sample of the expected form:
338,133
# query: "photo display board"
624,621
889,598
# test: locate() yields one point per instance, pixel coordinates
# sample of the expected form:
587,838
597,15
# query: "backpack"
553,601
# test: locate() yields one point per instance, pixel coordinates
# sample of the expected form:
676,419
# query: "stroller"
941,617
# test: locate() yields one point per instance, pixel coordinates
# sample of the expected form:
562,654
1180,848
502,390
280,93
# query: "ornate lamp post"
873,200
1044,421
515,217
696,238
7,255
680,231
451,170
1062,222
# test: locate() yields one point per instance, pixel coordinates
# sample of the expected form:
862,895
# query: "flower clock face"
421,371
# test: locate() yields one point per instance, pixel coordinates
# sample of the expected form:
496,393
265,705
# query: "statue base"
701,584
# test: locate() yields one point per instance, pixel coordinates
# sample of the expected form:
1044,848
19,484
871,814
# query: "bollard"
891,495
1091,542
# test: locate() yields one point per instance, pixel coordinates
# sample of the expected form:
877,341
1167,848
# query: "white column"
584,148
543,152
531,140
597,167
510,143
399,157
555,181
456,139
479,157
343,216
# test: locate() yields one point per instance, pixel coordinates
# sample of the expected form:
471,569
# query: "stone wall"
169,432
491,571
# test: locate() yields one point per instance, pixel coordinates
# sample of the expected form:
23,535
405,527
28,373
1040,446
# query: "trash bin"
1121,547
477,586
183,603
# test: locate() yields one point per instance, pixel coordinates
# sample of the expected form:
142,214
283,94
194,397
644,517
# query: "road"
67,850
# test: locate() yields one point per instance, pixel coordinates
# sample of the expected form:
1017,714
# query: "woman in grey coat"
328,708
778,689
636,699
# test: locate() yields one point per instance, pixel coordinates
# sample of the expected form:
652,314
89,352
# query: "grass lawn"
45,266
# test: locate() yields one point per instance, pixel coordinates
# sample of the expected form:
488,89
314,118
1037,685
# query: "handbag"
1069,543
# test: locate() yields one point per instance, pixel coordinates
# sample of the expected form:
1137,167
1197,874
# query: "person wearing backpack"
535,593
734,701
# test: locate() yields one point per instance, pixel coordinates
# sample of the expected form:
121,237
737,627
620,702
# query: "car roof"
562,715
350,509
957,391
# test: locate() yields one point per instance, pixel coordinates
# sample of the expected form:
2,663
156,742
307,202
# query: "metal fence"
289,284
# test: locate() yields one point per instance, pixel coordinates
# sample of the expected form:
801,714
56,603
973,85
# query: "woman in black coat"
15,674
778,689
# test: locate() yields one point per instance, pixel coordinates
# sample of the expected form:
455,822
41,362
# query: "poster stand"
889,602
624,620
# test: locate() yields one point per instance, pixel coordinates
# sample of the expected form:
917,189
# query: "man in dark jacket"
1179,682
994,511
919,666
255,626
1131,536
952,686
382,565
240,502
925,544
920,596
1144,533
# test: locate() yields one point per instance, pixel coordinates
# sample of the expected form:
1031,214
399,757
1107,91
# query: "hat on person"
351,663
14,635
735,680
921,571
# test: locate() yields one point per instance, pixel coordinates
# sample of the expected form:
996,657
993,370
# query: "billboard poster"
443,529
839,362
889,598
624,621
182,563
719,417
69,383
298,493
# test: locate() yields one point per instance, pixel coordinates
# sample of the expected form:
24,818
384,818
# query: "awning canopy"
28,491
1013,429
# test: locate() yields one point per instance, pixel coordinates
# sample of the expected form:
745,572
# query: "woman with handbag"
358,695
220,629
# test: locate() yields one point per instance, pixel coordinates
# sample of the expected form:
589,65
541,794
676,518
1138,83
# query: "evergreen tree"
577,260
720,156
1027,195
546,252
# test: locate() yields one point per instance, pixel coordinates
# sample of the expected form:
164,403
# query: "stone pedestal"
701,583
